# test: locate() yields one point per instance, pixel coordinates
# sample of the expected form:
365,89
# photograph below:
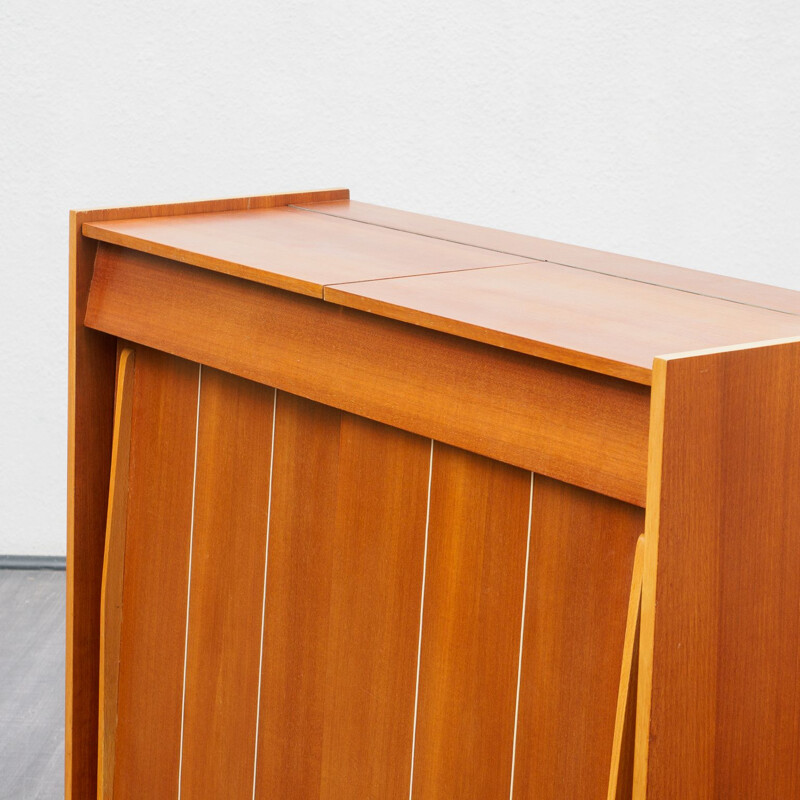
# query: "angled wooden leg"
113,568
620,782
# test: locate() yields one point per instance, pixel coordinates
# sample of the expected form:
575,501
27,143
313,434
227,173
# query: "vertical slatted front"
298,596
363,588
234,449
373,629
356,607
162,455
582,551
475,578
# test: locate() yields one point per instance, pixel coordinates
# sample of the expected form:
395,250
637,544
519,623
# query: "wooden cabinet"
367,504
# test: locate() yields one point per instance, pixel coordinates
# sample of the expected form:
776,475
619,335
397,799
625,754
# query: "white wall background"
667,130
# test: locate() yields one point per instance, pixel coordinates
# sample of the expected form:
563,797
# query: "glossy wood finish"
581,559
585,428
377,614
92,358
720,706
582,258
156,575
229,536
92,361
360,659
592,321
477,546
113,571
620,781
374,622
302,551
291,249
530,307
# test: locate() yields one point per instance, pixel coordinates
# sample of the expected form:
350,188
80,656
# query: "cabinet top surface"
599,311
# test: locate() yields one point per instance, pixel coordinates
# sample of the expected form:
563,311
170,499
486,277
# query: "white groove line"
264,593
521,636
189,580
421,609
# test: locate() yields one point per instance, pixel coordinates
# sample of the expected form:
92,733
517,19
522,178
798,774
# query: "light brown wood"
208,206
291,249
582,548
92,361
92,358
531,307
302,551
582,427
374,611
232,484
719,703
156,574
598,322
620,782
365,608
474,586
113,570
582,258
376,632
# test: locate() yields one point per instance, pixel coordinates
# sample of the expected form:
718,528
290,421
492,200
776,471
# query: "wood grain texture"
584,428
374,617
474,584
156,576
720,709
611,325
208,206
92,359
583,258
113,571
234,454
350,699
302,551
620,782
291,249
582,552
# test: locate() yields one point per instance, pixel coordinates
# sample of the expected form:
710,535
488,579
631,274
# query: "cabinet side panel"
92,357
581,558
722,628
474,585
234,450
156,574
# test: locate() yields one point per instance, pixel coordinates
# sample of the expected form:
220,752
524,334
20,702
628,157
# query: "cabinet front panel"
474,586
370,613
298,596
156,572
344,583
229,535
581,558
571,424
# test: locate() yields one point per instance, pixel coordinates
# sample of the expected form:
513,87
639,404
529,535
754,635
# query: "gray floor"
32,612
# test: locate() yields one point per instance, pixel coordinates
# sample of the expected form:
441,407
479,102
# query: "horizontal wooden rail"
577,426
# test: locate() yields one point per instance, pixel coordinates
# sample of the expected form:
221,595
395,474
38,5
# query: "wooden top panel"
584,258
598,311
290,248
589,320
